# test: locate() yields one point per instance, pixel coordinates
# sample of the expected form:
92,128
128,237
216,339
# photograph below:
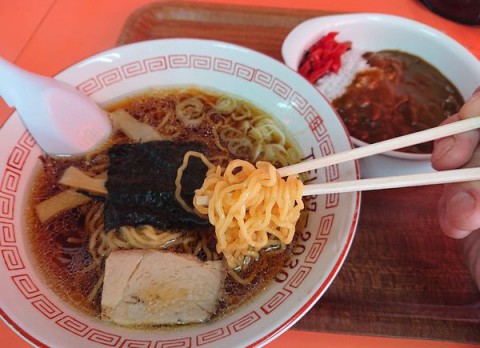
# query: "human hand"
459,206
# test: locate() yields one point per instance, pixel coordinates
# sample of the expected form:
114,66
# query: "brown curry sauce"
400,94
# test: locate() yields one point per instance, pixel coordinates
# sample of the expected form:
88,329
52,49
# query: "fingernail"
461,205
477,91
442,146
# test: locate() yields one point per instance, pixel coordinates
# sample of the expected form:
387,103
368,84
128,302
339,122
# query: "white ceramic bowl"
374,32
43,318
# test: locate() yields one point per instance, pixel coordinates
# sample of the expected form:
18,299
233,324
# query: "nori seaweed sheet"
141,185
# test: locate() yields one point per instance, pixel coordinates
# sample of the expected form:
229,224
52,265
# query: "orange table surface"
46,36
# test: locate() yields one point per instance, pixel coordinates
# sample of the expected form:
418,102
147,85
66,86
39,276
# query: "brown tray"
402,277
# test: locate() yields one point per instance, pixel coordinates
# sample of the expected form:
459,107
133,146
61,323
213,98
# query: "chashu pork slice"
152,287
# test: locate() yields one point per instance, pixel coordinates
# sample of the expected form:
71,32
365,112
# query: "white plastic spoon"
62,120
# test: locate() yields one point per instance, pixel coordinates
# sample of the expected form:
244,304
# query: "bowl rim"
286,322
313,26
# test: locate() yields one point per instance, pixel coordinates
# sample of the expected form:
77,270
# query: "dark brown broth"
402,94
62,260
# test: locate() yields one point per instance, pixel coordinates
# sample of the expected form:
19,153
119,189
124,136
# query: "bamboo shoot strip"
62,201
75,178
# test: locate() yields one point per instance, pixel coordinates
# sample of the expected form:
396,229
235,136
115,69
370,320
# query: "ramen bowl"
43,318
375,32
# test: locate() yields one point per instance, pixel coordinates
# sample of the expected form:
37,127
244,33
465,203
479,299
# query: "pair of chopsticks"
443,177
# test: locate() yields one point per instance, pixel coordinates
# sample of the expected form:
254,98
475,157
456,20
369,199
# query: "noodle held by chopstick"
250,206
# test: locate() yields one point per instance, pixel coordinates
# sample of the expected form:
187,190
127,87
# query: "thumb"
456,150
471,108
459,209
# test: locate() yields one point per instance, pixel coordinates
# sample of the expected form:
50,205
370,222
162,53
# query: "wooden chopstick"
383,146
443,177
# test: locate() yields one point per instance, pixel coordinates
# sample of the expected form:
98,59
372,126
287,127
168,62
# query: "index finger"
471,108
455,151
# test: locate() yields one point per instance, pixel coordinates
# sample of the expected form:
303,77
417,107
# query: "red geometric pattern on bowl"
7,205
263,78
315,251
26,140
178,343
281,89
18,157
177,61
46,307
7,235
90,86
332,173
326,224
11,258
136,344
212,336
273,303
201,62
315,123
245,321
332,200
10,181
155,64
134,69
110,77
326,145
20,153
223,66
236,326
297,279
102,337
244,72
299,103
326,148
25,284
73,325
